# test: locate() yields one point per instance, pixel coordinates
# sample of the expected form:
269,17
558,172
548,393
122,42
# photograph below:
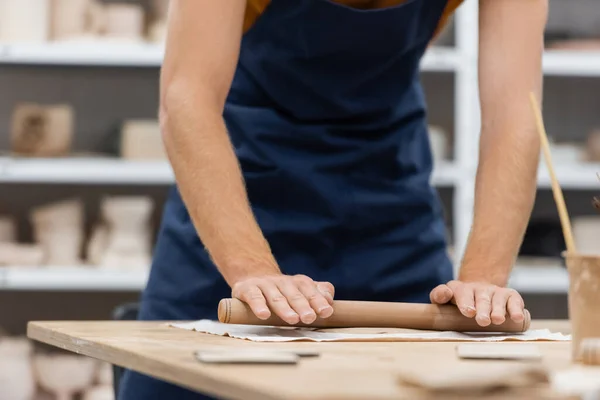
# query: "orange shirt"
256,7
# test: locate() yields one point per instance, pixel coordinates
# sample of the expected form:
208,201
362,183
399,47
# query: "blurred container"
64,375
24,21
142,140
17,380
59,230
42,131
73,19
124,21
8,230
593,145
22,255
584,297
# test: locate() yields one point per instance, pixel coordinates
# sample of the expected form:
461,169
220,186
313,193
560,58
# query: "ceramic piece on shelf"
42,131
586,233
58,228
64,375
439,143
8,230
97,244
72,19
104,392
160,9
129,238
24,21
593,145
142,140
124,21
23,255
157,32
105,375
17,381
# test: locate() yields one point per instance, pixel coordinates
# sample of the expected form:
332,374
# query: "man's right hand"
292,298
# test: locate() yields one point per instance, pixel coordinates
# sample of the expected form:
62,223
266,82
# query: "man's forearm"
511,47
212,187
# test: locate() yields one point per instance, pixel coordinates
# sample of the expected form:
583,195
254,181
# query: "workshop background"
83,175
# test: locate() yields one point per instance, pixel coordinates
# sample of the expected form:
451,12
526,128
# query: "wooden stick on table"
370,314
556,190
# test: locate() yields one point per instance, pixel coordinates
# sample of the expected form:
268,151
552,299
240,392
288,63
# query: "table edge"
177,376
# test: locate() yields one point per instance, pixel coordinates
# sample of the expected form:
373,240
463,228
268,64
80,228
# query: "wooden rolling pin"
358,314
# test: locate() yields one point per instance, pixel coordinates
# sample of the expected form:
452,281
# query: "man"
298,136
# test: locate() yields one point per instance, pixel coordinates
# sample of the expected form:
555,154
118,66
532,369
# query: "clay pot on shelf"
104,376
24,21
58,229
64,375
42,131
23,255
123,21
593,146
128,242
157,31
17,380
8,230
142,140
104,392
73,19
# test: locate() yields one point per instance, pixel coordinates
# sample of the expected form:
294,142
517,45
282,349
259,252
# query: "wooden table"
343,371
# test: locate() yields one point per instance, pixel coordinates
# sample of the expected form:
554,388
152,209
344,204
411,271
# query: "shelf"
84,171
71,279
445,173
540,280
440,59
117,171
572,63
106,53
83,53
572,176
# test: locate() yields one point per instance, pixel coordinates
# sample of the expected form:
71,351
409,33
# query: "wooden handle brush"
357,314
556,190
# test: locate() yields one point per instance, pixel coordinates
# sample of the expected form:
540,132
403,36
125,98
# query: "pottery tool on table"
498,351
233,355
365,314
246,357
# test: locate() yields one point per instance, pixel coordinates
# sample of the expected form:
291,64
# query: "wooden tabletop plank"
343,370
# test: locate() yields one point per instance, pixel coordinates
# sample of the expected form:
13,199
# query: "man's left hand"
488,303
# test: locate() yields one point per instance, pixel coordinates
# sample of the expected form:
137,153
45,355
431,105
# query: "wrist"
244,266
484,272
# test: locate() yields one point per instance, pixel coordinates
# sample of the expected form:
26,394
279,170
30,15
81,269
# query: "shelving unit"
84,278
457,63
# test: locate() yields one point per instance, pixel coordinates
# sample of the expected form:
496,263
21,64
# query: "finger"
296,300
315,298
464,298
516,307
278,302
483,304
253,296
499,302
327,290
441,294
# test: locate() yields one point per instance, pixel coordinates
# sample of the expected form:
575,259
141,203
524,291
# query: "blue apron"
327,116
